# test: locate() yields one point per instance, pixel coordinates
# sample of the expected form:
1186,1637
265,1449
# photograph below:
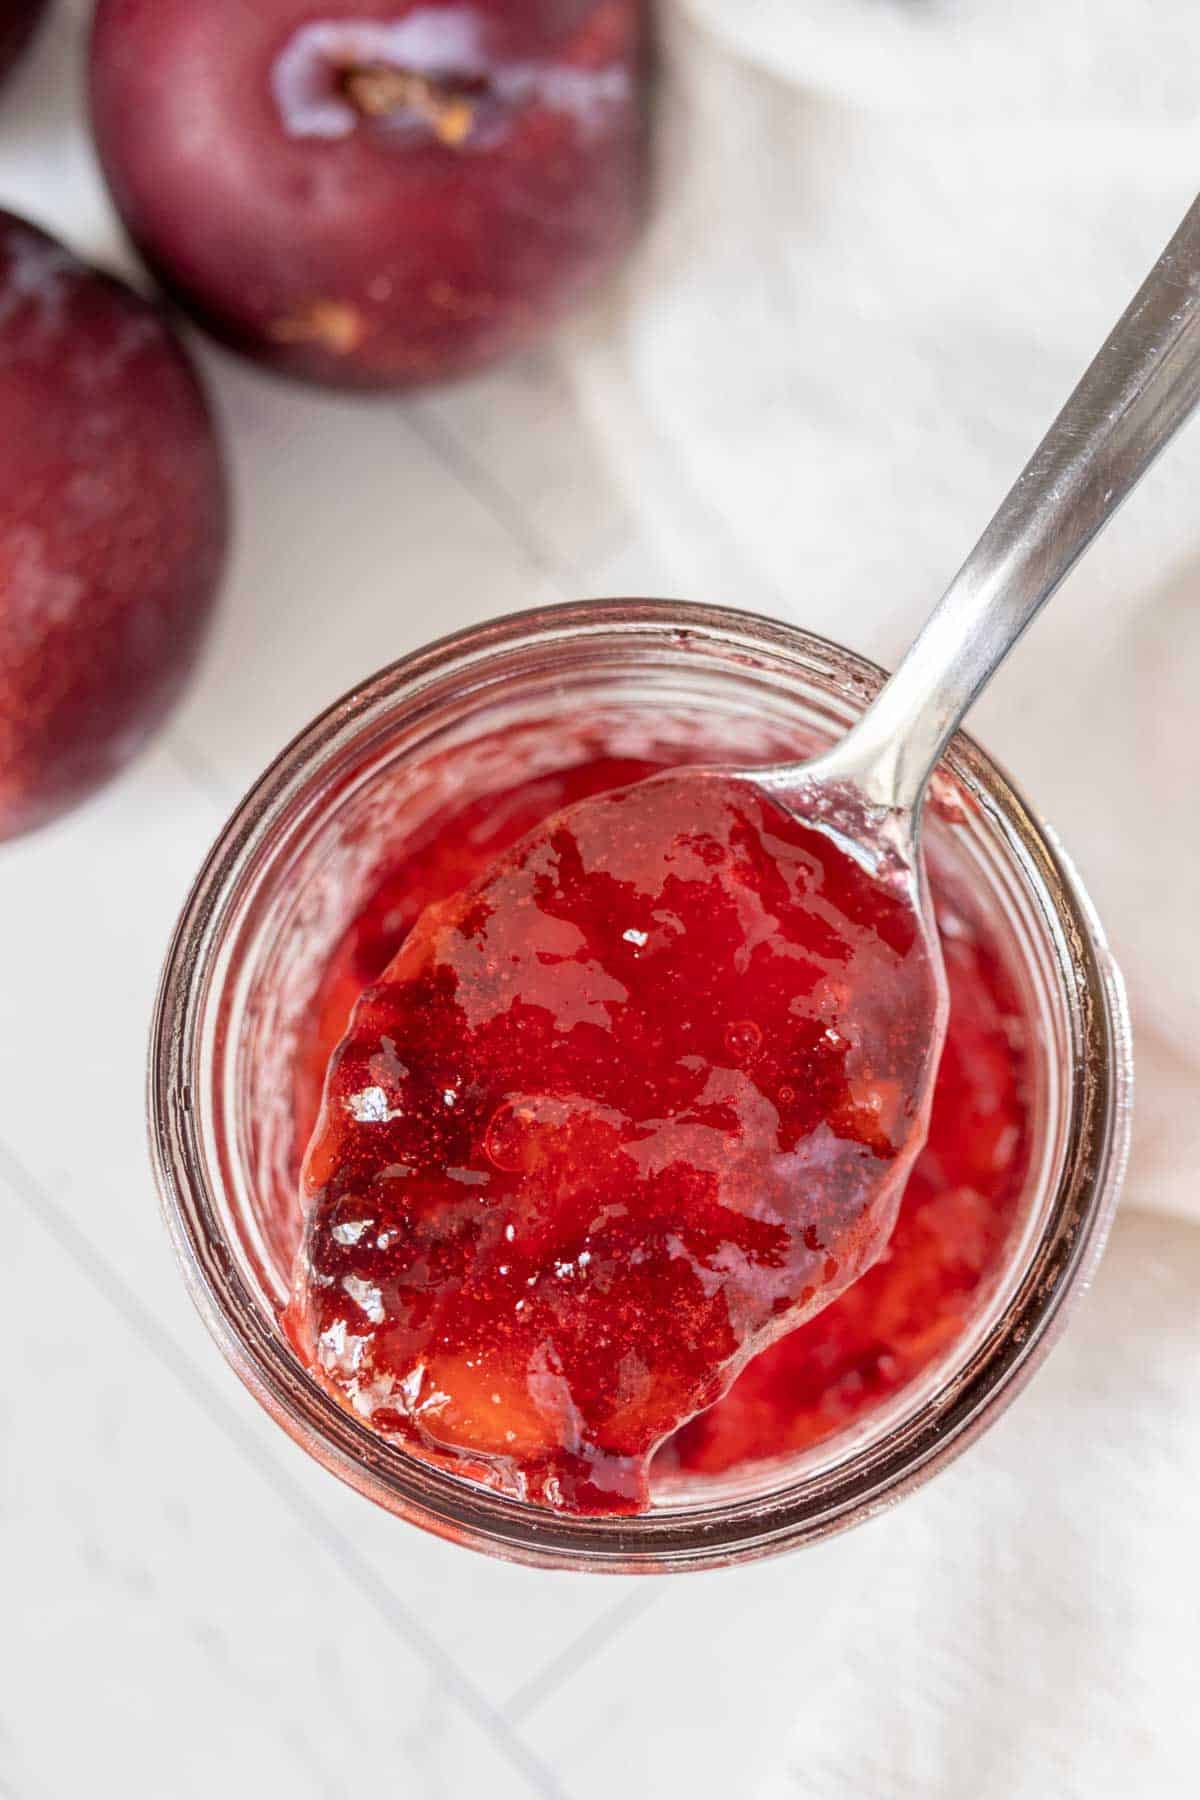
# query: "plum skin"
376,251
18,21
113,524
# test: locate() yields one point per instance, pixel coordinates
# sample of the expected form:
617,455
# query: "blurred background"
886,236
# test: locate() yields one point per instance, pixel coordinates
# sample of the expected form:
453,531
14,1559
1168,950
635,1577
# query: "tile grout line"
192,763
187,752
569,578
538,1689
503,509
125,1301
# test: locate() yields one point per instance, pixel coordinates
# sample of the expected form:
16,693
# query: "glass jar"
301,854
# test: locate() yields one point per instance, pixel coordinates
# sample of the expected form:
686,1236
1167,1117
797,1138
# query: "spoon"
1132,399
645,1094
866,791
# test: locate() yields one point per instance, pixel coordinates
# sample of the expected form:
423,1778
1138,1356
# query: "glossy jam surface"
619,1113
958,1211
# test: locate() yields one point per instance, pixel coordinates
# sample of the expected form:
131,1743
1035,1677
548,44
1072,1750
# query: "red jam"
958,1211
537,1288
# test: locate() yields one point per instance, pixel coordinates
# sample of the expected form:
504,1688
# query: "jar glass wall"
480,712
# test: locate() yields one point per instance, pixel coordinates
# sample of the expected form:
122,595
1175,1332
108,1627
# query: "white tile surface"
191,1607
194,1632
356,541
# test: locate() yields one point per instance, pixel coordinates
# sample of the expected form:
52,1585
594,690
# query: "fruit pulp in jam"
475,1329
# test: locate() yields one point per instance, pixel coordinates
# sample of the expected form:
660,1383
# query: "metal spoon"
867,790
1139,390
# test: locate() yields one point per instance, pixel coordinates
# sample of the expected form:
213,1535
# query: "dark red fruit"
17,21
373,192
112,524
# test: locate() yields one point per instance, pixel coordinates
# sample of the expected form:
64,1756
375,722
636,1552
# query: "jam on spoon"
644,1095
629,1106
962,1199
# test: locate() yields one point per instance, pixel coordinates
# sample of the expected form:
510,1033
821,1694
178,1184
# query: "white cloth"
887,238
888,234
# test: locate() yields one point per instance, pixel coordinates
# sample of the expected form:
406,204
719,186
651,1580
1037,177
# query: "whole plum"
112,523
373,193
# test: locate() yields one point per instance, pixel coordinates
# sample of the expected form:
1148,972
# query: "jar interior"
684,700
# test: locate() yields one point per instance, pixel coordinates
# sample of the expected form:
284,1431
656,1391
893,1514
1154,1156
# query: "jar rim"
449,1505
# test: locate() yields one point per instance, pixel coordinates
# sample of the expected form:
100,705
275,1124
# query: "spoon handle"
1132,399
